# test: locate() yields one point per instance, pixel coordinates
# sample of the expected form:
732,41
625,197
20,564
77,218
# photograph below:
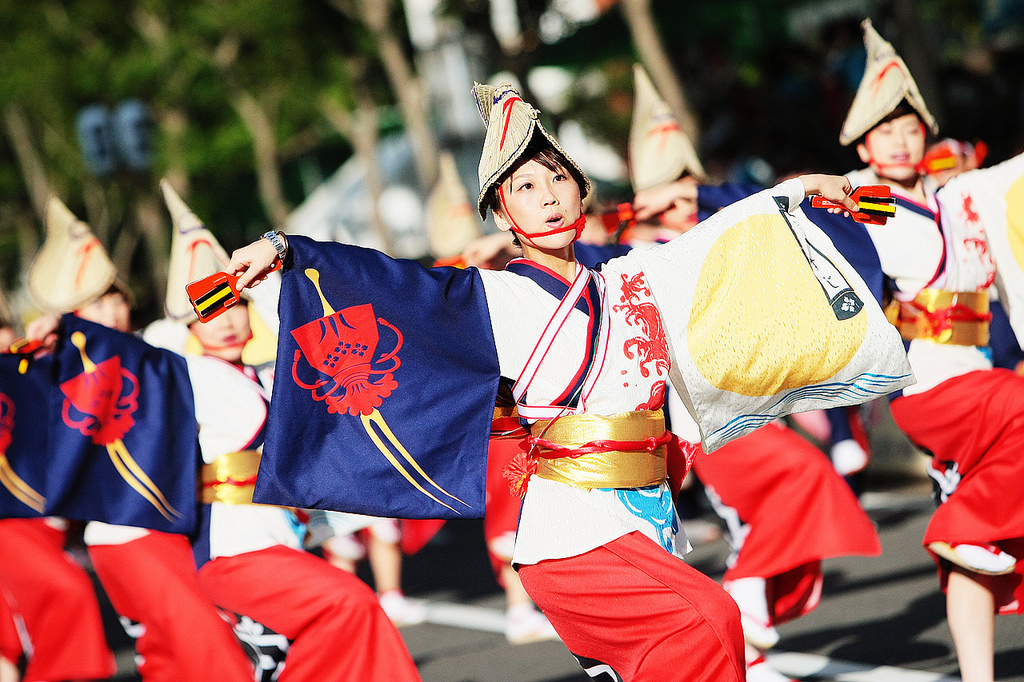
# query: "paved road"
880,620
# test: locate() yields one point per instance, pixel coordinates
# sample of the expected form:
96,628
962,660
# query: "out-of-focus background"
327,117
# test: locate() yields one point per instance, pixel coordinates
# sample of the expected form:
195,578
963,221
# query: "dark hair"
902,109
541,151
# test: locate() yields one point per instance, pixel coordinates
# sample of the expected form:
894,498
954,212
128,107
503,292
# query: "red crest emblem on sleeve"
6,422
343,348
356,364
106,395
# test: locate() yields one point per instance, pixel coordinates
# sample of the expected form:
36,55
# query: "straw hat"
511,125
451,224
659,152
886,83
195,253
6,316
72,269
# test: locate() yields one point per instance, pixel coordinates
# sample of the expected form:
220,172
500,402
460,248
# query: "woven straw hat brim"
659,151
195,253
511,126
72,269
6,314
886,83
451,224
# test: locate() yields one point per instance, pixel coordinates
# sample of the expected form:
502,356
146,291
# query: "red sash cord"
942,319
231,480
558,451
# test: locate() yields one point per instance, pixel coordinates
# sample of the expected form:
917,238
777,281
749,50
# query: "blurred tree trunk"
172,120
150,217
408,90
29,160
261,128
15,217
150,214
655,60
360,128
914,48
260,125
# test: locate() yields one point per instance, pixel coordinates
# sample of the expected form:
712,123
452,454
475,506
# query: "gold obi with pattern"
591,451
231,478
959,318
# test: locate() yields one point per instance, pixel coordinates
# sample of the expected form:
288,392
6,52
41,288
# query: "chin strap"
577,226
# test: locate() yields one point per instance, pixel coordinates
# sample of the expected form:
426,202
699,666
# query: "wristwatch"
277,240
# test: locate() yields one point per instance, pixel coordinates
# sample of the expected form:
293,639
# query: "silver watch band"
277,241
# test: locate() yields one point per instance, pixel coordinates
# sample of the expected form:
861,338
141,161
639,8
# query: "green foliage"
187,60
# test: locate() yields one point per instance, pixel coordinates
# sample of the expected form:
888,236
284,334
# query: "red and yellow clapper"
875,203
23,347
211,296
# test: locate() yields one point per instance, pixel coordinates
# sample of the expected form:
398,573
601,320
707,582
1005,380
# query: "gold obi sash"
955,317
629,449
231,478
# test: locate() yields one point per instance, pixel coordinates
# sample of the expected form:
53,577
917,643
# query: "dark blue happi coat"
384,387
123,439
24,403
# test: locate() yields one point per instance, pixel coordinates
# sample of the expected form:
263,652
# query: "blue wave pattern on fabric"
653,505
864,387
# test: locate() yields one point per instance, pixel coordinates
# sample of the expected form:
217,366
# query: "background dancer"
149,576
936,257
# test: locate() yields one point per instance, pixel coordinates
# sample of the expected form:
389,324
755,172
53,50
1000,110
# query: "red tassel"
518,472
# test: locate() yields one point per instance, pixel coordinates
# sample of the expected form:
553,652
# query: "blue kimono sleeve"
123,439
384,387
713,198
593,256
1006,350
24,407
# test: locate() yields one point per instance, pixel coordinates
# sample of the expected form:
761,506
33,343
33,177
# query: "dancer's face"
537,200
111,310
225,336
894,148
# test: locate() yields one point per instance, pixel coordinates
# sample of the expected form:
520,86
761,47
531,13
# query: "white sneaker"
848,457
749,595
759,671
524,624
759,633
984,559
401,610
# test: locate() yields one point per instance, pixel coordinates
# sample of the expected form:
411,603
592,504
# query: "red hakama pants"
798,510
152,581
335,624
973,426
54,598
634,607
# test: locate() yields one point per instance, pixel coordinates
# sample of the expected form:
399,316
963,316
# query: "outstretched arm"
835,188
252,263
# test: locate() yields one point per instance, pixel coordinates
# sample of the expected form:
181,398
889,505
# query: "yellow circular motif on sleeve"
1015,220
760,321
